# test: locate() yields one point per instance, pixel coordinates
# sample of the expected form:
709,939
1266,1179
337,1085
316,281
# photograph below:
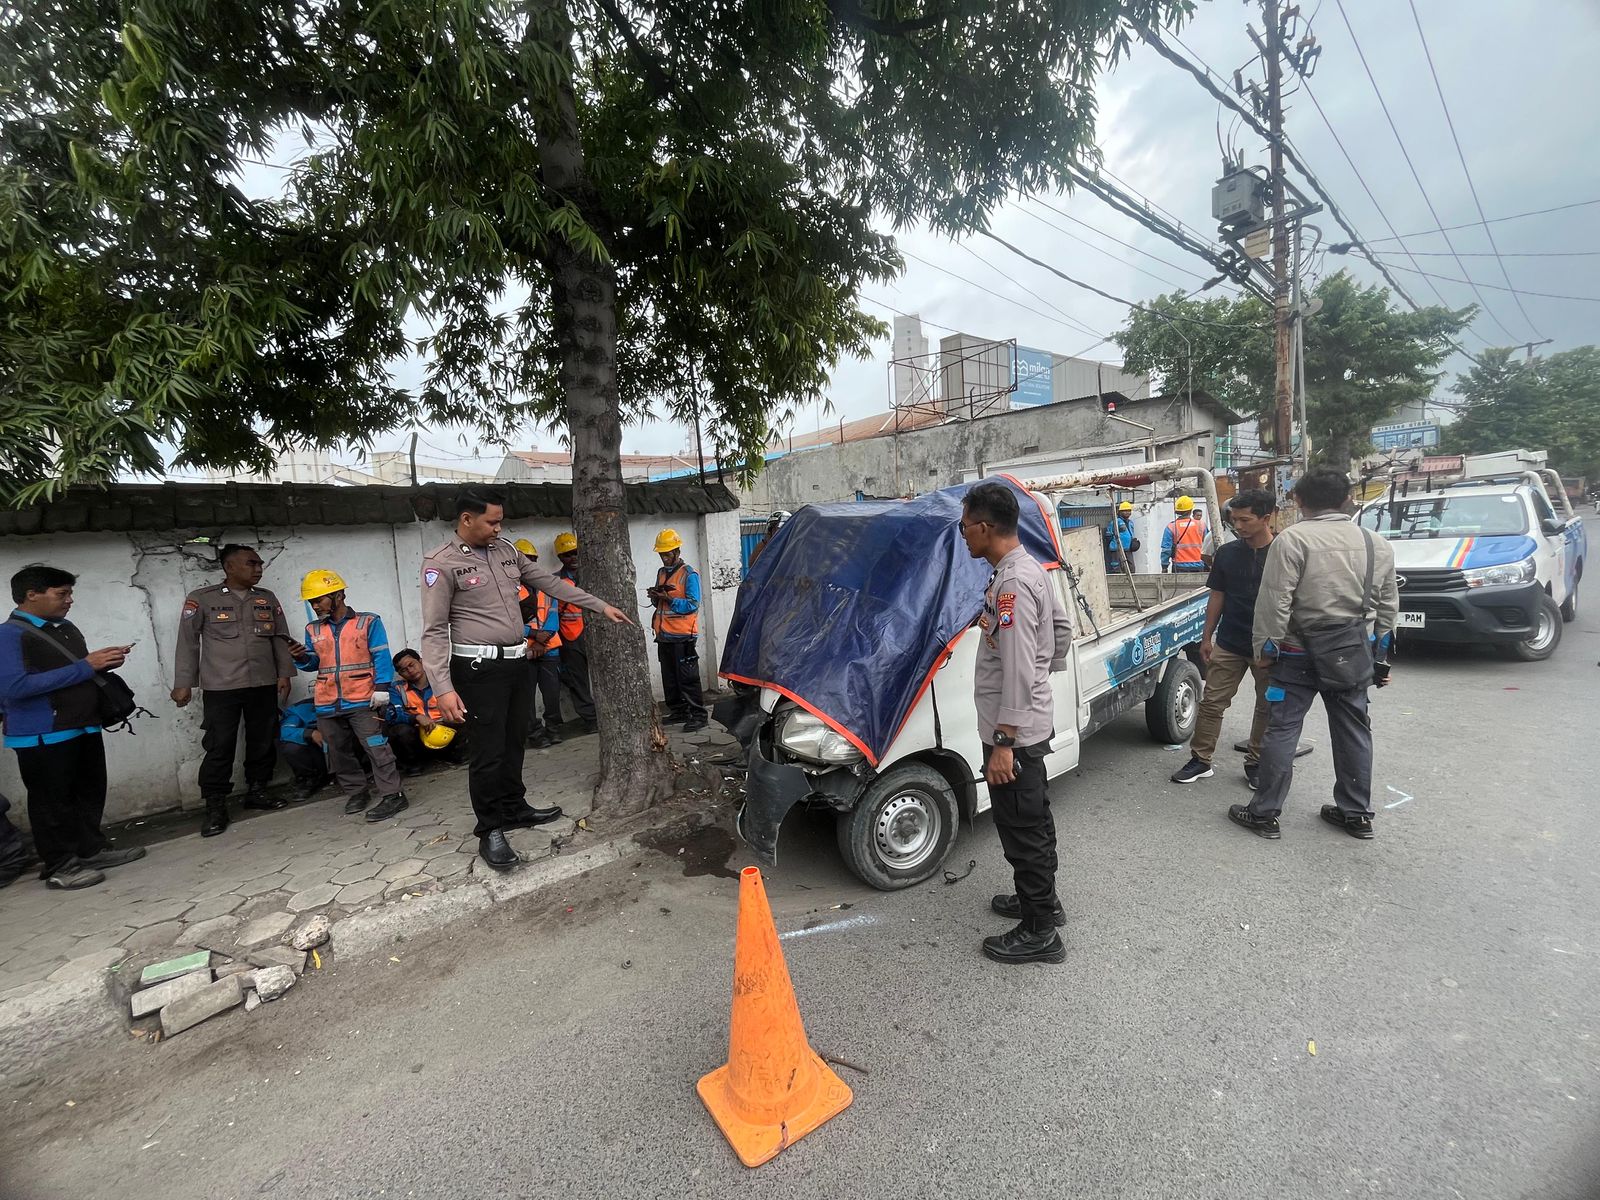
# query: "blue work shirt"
30,717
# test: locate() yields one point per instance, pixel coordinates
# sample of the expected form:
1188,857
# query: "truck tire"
1171,713
1569,607
1546,635
902,828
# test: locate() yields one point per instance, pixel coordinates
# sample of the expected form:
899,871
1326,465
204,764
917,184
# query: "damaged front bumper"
773,788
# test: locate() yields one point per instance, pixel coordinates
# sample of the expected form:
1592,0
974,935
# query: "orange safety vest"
570,615
344,662
675,625
541,611
422,710
1188,539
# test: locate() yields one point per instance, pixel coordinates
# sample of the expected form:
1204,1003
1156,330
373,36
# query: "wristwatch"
1004,739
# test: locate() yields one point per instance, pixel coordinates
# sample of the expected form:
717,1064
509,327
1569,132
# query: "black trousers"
222,710
546,674
308,763
66,786
680,678
1028,834
498,693
575,675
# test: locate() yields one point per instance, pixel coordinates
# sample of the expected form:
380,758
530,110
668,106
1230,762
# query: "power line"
1101,250
1406,154
1018,283
1537,212
1497,288
1110,237
1471,187
1506,254
998,295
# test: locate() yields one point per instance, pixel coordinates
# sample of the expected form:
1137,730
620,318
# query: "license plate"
1413,620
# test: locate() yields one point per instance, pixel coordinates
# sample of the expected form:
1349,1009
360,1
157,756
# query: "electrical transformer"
1239,199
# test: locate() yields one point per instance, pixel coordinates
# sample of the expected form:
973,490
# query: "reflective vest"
676,626
1188,538
344,662
422,709
571,616
541,612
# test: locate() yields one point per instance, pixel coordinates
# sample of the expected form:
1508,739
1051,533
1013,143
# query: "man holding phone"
51,704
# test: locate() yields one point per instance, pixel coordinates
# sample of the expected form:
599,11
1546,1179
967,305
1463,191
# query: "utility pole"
1282,331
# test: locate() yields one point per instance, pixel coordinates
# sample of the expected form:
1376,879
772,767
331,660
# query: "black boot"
1024,945
497,852
388,807
1010,906
258,797
354,804
216,818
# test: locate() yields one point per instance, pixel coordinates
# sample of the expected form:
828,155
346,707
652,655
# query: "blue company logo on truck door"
1160,641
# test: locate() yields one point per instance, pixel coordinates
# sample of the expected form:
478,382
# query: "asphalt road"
1446,972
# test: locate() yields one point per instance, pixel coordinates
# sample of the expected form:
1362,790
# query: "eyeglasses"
963,526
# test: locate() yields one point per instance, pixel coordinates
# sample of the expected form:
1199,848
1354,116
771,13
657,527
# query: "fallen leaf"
392,958
1311,1049
316,960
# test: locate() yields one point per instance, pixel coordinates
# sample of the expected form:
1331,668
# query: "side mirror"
1551,526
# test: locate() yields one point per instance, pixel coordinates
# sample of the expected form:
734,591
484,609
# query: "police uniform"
474,644
233,646
1024,633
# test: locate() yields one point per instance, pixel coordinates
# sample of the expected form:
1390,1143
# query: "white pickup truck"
1494,560
899,805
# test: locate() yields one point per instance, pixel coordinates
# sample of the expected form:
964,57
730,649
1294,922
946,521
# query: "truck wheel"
1171,713
1546,635
1569,609
902,828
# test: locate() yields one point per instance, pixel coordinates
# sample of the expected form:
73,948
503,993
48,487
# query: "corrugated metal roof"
153,507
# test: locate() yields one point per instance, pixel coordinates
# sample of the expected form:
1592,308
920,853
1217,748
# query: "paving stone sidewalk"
307,858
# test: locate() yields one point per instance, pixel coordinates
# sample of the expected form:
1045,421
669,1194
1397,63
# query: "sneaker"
112,857
1192,770
1266,827
72,875
1251,772
356,803
1355,824
388,807
1023,945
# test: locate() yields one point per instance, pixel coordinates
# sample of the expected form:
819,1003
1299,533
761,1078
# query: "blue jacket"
30,716
377,643
299,719
1121,529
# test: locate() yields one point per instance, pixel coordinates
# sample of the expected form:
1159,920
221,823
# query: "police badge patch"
430,576
1006,604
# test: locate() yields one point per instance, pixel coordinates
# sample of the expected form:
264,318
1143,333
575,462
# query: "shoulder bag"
1341,652
116,704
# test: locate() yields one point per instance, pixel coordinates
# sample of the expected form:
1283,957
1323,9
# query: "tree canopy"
1550,403
1364,357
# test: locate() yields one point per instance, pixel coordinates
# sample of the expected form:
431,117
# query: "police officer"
1024,632
474,649
574,650
676,625
233,643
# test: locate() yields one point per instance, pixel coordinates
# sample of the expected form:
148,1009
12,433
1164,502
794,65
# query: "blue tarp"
851,605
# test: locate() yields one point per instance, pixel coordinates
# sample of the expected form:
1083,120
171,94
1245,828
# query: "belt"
476,653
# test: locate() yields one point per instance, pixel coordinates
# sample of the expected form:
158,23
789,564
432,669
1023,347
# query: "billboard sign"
1406,435
1034,378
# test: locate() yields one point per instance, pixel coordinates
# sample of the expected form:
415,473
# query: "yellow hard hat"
526,547
1125,506
566,542
1184,504
438,737
320,583
667,539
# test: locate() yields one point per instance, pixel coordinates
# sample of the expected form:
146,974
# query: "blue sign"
1034,377
1424,434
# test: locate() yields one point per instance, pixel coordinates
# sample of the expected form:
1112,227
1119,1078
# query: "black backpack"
116,706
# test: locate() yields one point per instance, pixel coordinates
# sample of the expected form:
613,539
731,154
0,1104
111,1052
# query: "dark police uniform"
474,644
1024,633
233,646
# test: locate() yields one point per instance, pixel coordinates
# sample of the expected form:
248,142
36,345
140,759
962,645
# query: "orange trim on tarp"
1050,521
810,708
939,661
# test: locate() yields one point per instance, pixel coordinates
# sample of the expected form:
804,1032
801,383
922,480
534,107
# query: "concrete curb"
36,1023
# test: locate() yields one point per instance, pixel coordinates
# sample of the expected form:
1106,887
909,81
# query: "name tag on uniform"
471,581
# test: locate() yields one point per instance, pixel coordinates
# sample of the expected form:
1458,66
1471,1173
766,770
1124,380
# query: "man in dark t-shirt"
1225,646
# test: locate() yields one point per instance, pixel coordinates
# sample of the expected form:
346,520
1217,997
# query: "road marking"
848,923
1403,796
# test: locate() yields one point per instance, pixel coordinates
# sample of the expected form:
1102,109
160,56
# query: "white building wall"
131,588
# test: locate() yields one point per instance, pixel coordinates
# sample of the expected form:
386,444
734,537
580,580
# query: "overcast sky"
1523,90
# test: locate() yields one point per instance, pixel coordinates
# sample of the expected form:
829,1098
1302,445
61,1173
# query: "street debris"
312,933
162,971
252,1000
272,982
1311,1049
208,1002
952,877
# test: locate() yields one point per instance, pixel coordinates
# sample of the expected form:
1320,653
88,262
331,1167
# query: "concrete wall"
926,459
131,588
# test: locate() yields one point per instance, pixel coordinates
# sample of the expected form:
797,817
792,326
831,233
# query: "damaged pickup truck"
851,653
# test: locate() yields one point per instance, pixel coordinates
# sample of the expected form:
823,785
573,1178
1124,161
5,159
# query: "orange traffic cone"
775,1089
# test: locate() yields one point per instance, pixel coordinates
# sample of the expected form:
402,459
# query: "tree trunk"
1335,454
636,768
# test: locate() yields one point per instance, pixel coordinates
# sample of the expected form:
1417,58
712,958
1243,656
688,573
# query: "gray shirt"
1314,575
229,639
1023,631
